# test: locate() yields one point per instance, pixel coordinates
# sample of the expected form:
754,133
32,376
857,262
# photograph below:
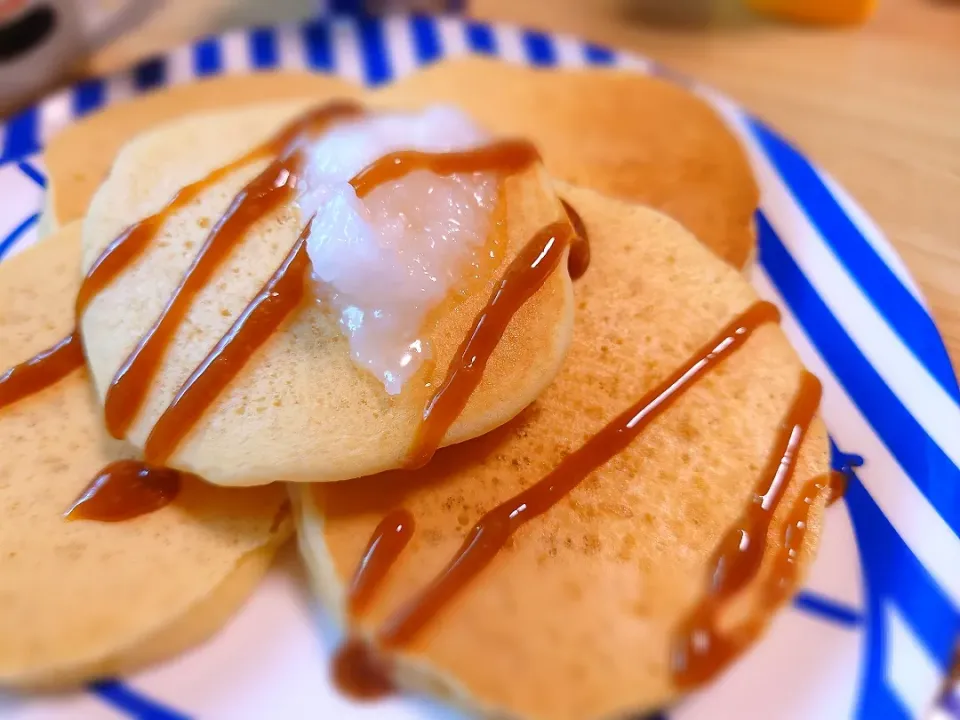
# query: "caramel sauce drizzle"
700,648
838,482
42,370
125,489
281,294
132,242
272,187
359,671
526,274
505,156
387,542
128,388
493,530
722,649
579,259
719,650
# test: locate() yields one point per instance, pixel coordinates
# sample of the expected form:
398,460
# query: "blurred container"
819,12
40,40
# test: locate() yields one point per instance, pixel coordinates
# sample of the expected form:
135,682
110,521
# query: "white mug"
41,39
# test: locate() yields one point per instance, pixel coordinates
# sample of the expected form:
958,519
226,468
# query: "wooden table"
877,106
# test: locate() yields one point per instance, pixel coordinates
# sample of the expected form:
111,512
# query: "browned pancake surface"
575,617
82,599
621,133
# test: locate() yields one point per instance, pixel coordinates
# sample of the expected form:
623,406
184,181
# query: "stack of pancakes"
577,615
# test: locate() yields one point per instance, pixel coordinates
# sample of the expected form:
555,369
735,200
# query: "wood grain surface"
878,106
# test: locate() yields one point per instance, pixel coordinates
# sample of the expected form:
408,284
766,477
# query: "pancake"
621,133
300,410
575,617
78,158
84,599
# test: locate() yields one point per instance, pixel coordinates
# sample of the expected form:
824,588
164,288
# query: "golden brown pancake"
79,157
621,133
300,410
84,599
575,616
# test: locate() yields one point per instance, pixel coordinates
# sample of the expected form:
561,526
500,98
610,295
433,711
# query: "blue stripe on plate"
207,57
150,73
31,172
264,54
133,703
598,55
891,569
927,465
15,234
827,609
893,575
874,698
88,95
539,48
901,578
319,49
21,137
426,38
347,6
373,51
480,38
901,310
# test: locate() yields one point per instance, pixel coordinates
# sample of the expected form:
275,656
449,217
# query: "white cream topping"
386,261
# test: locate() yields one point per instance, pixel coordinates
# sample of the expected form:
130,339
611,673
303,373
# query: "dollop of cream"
386,261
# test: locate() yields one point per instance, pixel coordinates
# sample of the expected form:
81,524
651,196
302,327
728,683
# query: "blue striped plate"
871,634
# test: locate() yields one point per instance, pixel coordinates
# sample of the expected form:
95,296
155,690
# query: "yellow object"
823,12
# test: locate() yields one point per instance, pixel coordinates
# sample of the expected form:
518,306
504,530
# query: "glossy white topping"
384,262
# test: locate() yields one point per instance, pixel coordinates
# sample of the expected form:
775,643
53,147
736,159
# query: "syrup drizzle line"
281,294
133,241
700,650
838,483
506,156
125,489
525,275
127,391
493,529
718,651
387,542
579,259
42,370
